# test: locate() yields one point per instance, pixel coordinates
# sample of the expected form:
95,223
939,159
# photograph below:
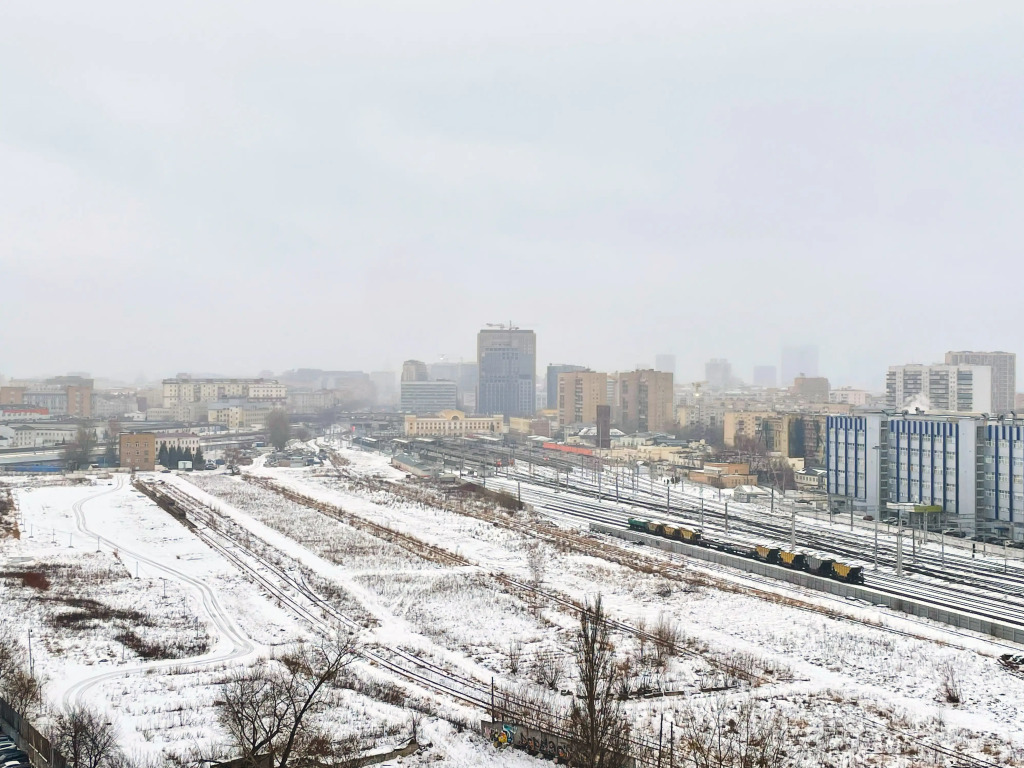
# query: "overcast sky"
256,185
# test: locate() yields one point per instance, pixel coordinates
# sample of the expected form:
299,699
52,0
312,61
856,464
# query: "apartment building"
138,451
579,393
646,402
1004,375
957,388
184,389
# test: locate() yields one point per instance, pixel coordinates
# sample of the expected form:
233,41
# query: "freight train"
766,553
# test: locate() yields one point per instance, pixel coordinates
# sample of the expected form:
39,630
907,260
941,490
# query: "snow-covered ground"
896,671
855,685
139,616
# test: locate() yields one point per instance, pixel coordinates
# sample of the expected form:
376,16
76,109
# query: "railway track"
314,610
208,525
957,758
942,592
438,554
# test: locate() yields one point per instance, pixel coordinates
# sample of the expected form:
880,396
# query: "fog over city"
259,186
448,384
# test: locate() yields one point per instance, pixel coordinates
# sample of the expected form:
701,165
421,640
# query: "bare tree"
599,730
78,454
12,655
112,448
23,690
86,738
278,428
265,708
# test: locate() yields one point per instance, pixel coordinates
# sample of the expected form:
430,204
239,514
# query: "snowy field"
894,675
137,614
131,612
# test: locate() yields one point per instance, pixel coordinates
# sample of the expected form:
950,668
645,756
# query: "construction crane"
504,326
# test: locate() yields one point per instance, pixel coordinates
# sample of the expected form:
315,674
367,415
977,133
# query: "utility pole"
702,508
899,547
876,539
727,517
792,528
773,500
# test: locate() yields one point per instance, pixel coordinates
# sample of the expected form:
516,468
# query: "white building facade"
958,388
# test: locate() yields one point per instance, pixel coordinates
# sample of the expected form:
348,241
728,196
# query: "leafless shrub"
514,654
625,678
36,580
548,670
666,639
642,635
724,736
536,561
18,683
950,686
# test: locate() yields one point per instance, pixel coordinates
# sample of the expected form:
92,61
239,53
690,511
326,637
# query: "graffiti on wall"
532,741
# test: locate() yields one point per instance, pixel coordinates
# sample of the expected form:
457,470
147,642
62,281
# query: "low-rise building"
186,441
812,479
43,435
452,423
22,413
138,451
724,475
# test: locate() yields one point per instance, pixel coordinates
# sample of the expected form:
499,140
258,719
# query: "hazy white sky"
251,185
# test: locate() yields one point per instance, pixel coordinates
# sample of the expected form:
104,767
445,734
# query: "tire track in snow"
225,626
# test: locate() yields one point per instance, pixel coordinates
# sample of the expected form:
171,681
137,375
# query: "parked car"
988,539
955,532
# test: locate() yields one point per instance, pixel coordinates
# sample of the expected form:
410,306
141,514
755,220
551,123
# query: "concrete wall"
925,610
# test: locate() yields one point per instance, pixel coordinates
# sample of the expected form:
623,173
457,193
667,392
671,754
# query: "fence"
958,619
40,752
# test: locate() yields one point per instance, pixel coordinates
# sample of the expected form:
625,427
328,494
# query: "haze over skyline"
350,186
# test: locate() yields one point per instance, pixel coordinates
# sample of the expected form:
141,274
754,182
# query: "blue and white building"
933,461
1002,475
972,469
854,459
